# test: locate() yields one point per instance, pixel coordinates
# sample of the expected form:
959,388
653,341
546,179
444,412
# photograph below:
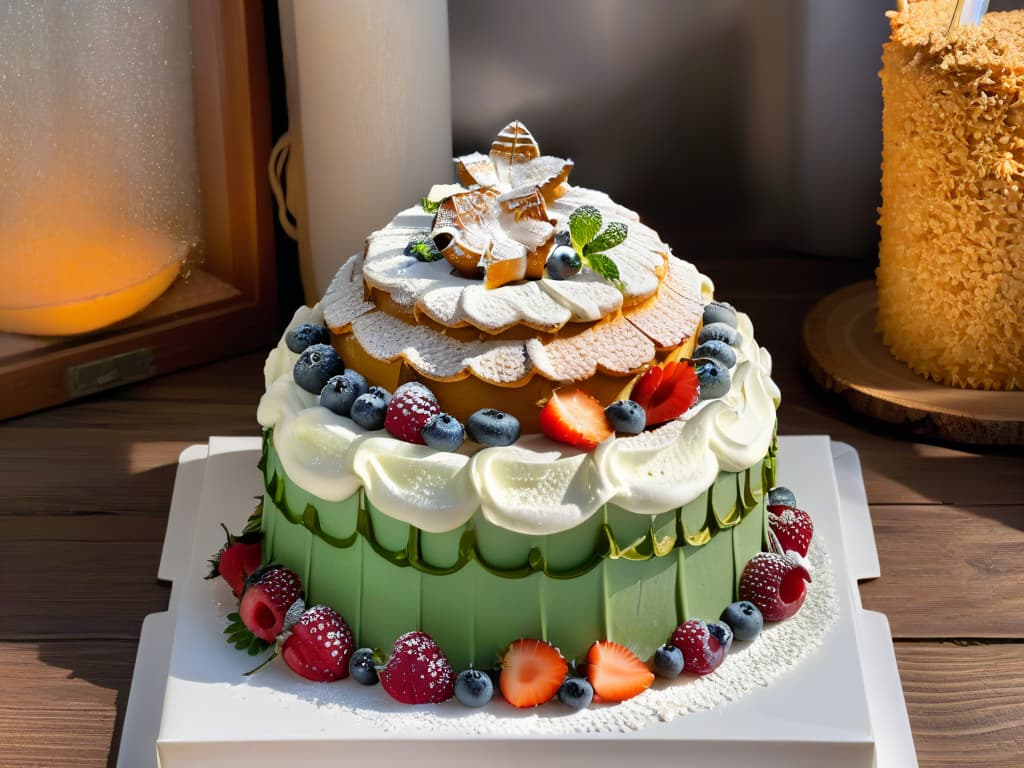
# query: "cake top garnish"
513,244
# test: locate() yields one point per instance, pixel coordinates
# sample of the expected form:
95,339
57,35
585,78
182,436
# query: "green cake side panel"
618,576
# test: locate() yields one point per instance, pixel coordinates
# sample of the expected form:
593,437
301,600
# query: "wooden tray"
845,355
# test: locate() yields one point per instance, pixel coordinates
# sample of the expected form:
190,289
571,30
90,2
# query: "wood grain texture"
966,704
936,557
62,701
845,355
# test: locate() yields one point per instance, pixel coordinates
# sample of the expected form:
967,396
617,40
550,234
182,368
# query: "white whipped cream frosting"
536,486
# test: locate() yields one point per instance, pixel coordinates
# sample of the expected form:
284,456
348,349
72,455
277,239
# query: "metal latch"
97,375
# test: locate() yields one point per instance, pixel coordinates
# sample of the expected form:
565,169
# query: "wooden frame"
227,304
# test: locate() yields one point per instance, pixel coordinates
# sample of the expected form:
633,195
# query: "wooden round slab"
845,355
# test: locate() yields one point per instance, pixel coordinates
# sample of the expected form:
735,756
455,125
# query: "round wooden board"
845,355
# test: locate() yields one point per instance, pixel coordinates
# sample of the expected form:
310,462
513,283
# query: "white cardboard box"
842,707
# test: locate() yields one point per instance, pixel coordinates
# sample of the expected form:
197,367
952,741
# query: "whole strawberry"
320,645
268,594
704,645
418,672
408,412
792,527
774,583
238,558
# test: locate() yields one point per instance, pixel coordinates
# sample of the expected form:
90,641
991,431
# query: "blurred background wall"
728,125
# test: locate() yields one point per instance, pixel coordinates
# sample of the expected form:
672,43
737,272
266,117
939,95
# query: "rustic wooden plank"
68,700
966,704
949,572
79,589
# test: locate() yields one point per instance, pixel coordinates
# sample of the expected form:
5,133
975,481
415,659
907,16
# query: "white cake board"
842,707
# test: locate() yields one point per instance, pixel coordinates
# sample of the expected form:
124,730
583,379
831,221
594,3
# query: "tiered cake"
556,539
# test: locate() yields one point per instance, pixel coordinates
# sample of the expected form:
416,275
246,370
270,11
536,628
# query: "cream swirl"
536,486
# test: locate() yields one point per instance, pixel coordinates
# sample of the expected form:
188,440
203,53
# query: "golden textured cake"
951,259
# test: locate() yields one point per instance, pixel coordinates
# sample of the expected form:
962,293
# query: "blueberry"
341,391
717,350
370,410
720,312
576,692
563,262
489,426
415,386
720,332
443,432
721,632
715,379
315,367
744,618
668,661
306,335
362,668
473,688
563,237
626,416
782,496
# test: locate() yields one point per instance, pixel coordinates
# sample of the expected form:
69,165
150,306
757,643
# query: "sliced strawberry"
792,527
576,418
667,394
647,385
417,671
616,672
702,645
268,595
532,671
320,645
408,412
239,557
775,584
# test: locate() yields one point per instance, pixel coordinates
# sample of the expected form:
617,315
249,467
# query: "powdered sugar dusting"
747,668
670,317
616,347
345,298
435,355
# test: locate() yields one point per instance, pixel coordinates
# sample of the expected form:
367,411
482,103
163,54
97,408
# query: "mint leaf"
423,248
584,224
613,234
603,265
430,206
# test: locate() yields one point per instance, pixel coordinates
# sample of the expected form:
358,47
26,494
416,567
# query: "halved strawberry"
532,671
238,558
576,418
792,527
616,672
319,646
417,671
667,392
268,595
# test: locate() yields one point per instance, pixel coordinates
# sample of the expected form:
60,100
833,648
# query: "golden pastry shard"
461,232
476,170
514,144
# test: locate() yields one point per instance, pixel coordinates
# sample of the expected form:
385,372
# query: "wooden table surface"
86,487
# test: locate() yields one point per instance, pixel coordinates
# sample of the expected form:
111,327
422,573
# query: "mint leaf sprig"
430,206
591,243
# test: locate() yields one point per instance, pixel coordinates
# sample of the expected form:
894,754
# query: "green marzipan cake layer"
617,576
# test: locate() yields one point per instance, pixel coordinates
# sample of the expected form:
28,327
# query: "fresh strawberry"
704,646
576,418
668,392
268,594
239,557
792,527
408,412
417,672
775,584
532,671
616,672
319,646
